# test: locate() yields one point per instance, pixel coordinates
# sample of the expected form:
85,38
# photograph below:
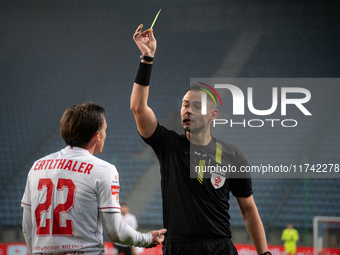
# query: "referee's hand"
157,237
145,41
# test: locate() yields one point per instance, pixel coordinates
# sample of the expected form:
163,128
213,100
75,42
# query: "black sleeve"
156,141
240,182
241,187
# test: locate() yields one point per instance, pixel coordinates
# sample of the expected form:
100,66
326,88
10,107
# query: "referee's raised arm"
145,118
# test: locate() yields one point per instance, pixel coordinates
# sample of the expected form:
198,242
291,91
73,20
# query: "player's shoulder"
104,164
48,156
99,165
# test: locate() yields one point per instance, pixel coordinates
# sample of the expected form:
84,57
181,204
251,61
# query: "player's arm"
145,118
27,228
118,231
253,223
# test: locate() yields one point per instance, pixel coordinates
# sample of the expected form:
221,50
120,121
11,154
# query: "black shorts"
126,250
200,247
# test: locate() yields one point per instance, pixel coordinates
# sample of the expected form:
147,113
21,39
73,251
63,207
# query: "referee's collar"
212,141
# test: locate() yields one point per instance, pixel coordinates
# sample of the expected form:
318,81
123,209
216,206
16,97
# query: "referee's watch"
146,58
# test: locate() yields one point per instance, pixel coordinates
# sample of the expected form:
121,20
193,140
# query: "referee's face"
192,119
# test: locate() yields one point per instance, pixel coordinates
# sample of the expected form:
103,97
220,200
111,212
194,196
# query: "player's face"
192,119
102,137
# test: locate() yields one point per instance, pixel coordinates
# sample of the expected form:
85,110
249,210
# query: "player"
71,196
290,236
195,210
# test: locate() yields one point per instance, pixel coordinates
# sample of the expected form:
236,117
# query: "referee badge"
217,180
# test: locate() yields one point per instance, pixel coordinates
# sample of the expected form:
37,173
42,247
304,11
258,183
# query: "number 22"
57,229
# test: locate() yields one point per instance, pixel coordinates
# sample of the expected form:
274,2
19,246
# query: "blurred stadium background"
57,53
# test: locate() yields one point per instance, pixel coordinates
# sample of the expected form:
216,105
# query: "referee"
195,209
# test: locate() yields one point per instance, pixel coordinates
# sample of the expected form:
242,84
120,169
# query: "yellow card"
155,19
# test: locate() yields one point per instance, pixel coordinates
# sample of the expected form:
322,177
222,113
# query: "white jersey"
65,192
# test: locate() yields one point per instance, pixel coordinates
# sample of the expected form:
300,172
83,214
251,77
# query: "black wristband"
146,58
143,74
266,253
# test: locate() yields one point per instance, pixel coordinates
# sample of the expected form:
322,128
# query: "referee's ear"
214,114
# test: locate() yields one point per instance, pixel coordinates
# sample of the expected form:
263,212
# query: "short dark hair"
80,122
199,86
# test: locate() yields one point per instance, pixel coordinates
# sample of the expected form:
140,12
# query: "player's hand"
145,41
157,237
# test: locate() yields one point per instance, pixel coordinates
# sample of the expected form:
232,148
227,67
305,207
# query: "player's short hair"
80,122
198,87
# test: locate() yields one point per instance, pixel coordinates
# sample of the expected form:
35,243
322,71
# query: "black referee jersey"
197,207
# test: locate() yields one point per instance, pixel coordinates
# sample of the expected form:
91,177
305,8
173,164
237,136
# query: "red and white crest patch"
217,180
